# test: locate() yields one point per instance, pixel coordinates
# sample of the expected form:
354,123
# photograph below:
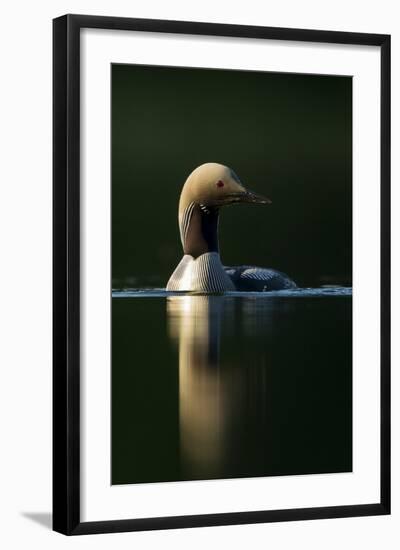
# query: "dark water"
237,385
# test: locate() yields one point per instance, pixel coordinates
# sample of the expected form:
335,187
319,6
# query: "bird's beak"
243,195
253,198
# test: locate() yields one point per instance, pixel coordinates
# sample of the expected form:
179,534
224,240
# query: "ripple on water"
292,293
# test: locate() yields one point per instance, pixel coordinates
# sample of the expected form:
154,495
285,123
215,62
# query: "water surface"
232,385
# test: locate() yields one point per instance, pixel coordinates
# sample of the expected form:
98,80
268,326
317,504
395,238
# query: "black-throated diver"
208,188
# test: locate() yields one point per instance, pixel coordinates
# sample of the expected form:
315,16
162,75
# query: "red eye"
220,183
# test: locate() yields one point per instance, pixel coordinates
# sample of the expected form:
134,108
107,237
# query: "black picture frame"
66,273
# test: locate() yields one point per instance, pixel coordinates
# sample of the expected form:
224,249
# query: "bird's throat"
199,229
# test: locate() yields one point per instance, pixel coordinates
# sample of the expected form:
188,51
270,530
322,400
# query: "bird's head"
216,185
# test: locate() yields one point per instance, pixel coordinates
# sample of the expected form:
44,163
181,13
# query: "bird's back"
258,279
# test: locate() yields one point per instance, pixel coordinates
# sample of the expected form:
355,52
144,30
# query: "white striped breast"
203,274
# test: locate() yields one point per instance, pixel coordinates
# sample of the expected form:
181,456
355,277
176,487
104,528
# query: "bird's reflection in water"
222,389
230,386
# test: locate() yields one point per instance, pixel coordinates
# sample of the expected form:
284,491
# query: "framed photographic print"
221,274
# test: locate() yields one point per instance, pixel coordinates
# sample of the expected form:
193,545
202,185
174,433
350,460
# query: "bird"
207,189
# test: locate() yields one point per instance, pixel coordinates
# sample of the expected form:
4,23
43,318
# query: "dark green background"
286,135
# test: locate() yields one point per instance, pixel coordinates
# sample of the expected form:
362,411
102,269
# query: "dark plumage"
258,279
